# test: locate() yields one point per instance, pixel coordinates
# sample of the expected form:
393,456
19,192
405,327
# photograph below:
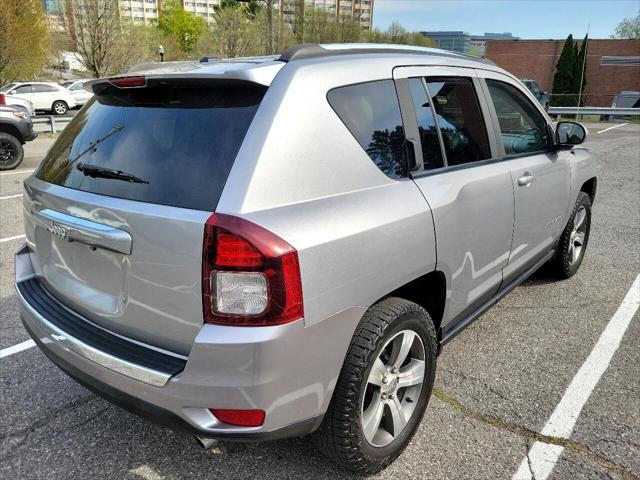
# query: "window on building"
522,126
460,120
371,112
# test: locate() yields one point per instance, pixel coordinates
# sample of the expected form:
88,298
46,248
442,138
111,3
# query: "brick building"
612,65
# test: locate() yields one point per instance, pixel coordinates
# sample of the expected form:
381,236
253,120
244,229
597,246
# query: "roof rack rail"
315,50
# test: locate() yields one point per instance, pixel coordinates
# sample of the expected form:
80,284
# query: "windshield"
181,142
7,87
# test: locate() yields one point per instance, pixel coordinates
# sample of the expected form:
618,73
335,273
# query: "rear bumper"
289,371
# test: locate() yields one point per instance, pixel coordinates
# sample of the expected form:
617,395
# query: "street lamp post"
161,52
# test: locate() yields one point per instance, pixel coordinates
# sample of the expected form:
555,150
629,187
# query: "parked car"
76,87
15,129
541,96
282,246
14,101
43,95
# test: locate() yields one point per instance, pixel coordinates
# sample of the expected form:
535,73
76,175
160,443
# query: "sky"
524,18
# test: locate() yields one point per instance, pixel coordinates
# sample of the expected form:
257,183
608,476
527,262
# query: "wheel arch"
11,130
428,291
589,187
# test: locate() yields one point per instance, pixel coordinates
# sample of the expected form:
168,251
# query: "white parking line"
542,457
10,196
9,239
611,128
5,352
16,172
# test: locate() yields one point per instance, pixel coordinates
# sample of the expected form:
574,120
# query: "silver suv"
268,247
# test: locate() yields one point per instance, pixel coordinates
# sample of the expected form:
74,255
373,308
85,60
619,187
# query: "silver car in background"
6,99
260,248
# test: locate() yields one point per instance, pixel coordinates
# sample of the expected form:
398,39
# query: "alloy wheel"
7,151
393,388
578,234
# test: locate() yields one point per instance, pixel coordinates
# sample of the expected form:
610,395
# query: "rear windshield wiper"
95,172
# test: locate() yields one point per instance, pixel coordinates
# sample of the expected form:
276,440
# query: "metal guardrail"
55,122
559,111
60,122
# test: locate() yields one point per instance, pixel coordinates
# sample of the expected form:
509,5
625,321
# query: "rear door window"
427,128
43,88
371,112
459,117
179,142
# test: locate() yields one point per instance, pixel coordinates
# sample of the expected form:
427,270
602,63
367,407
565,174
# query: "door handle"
526,179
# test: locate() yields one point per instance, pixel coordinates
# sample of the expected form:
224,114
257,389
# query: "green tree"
628,28
580,73
23,36
183,26
234,34
563,80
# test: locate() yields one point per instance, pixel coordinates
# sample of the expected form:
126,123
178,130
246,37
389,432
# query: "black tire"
11,152
341,436
564,265
59,107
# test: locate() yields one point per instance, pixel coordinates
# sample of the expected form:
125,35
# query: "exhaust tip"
206,443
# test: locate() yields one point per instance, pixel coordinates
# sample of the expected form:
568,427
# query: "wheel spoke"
377,372
581,214
401,348
398,419
372,417
412,374
575,254
579,238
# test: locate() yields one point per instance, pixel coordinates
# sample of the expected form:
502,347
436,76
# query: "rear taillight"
251,276
3,101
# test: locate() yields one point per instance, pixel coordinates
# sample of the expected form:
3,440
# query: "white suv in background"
44,96
76,87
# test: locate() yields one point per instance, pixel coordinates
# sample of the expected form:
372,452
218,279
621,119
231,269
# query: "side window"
431,152
24,89
371,112
42,88
522,126
460,120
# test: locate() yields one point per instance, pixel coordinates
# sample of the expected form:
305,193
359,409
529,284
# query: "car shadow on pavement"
162,453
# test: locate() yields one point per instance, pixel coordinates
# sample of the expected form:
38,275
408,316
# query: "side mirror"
569,134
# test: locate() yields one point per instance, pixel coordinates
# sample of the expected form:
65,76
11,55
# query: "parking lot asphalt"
497,383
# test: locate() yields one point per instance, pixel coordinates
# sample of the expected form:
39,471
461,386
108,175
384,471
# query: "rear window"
371,112
179,142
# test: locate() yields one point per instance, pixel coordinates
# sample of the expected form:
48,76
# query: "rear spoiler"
189,74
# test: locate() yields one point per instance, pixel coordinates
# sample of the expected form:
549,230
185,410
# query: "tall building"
147,11
54,9
362,9
455,41
61,12
463,42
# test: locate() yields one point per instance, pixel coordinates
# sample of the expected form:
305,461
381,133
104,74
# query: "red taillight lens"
233,252
128,82
251,276
3,101
241,418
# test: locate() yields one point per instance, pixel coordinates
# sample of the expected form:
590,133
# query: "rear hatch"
115,213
